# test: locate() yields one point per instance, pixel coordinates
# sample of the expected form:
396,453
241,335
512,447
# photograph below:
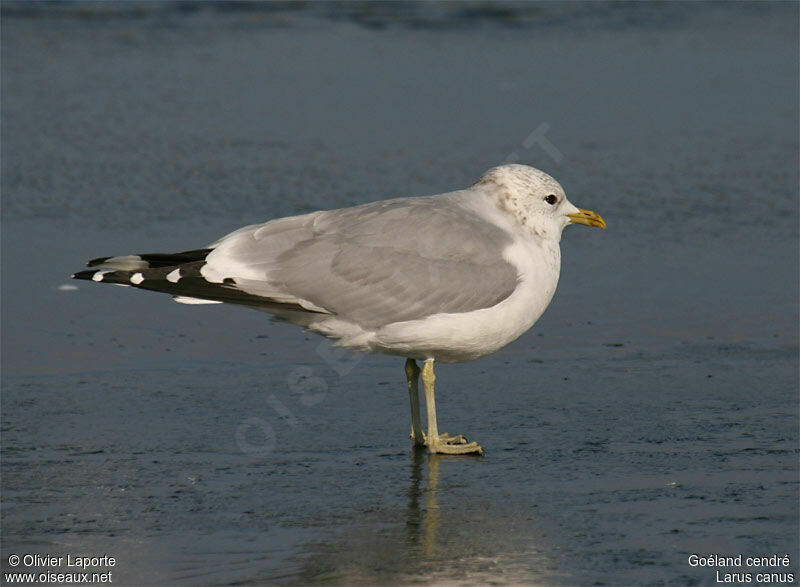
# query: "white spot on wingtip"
174,276
189,300
98,276
137,278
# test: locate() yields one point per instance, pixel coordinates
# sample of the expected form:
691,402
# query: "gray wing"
374,264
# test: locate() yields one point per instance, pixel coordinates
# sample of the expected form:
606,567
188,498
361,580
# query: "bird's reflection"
415,516
423,508
441,534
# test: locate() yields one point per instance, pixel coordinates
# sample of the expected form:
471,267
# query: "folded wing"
372,265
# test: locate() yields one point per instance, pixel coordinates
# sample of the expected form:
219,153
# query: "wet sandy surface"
651,414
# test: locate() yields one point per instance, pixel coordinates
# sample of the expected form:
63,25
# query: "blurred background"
651,413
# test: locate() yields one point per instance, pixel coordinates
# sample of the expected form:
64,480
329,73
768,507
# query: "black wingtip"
83,274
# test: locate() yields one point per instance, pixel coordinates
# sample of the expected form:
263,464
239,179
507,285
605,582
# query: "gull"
451,277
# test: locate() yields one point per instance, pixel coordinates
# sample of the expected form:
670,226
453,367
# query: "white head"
535,200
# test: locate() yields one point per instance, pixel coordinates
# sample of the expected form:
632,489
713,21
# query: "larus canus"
450,277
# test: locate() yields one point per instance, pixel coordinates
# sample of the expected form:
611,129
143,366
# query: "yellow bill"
588,218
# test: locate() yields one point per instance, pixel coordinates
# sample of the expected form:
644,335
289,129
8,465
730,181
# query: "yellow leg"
412,374
445,444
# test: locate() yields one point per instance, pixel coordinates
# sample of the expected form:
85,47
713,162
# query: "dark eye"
551,199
